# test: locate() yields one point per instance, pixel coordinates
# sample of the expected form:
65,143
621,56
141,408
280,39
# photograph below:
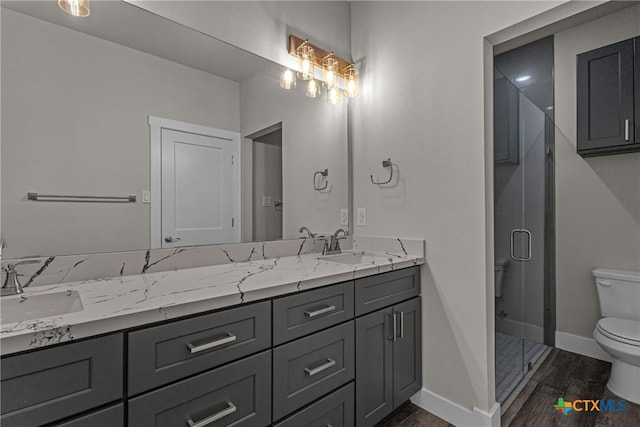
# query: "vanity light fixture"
338,76
75,7
287,78
313,89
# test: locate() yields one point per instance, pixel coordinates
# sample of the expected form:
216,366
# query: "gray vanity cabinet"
335,410
636,74
606,110
48,385
388,360
383,290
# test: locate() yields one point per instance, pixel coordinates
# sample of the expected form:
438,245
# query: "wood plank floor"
562,374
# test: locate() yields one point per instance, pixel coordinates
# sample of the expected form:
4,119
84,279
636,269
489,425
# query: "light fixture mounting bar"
318,53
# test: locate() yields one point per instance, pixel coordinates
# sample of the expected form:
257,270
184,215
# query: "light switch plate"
344,216
146,196
362,216
266,201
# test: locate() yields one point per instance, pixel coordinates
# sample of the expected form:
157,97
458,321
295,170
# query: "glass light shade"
334,96
75,7
330,72
287,78
305,62
313,88
351,83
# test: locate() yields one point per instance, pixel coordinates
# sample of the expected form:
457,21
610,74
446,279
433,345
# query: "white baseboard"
455,414
520,329
581,345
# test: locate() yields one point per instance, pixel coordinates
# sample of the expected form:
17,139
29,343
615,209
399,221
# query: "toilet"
500,266
618,332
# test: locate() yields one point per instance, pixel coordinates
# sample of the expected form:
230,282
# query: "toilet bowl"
500,266
618,332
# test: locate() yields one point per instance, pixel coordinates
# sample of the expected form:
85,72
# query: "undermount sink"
352,258
23,307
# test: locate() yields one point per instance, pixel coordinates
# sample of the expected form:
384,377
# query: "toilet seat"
622,330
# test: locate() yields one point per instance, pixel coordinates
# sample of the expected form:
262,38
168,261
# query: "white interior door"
198,196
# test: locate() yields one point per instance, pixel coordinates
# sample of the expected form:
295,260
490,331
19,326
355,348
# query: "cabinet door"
407,351
605,100
374,367
636,72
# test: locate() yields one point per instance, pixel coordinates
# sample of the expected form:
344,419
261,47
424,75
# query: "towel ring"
385,164
322,173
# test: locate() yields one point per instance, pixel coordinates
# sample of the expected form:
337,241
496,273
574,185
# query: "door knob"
170,239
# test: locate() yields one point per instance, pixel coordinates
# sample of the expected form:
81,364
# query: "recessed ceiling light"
522,78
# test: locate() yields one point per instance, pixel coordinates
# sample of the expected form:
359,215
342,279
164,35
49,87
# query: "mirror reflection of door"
267,184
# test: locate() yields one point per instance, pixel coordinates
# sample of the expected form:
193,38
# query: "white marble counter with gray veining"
124,302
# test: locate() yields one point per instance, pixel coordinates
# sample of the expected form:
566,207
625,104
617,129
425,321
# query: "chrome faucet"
305,229
334,244
12,285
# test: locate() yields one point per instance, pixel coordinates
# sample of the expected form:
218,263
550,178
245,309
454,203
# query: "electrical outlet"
344,216
266,201
146,196
362,216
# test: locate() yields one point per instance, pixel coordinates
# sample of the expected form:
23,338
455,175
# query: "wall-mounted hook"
322,173
385,164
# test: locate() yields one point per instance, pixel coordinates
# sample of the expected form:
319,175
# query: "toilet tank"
618,292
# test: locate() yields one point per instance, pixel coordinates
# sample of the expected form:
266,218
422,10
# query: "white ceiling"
131,26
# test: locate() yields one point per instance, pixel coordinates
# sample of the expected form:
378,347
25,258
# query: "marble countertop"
129,301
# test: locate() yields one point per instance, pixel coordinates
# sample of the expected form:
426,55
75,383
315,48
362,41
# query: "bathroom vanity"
342,346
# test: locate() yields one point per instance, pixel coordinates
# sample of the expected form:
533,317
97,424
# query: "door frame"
156,125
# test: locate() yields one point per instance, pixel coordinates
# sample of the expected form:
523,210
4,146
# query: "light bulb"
313,89
305,59
287,78
330,72
334,96
75,7
351,82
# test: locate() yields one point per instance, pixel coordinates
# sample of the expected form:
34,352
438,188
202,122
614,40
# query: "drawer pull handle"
401,324
327,309
313,371
230,409
197,348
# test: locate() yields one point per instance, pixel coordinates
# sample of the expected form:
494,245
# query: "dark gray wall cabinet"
607,107
388,360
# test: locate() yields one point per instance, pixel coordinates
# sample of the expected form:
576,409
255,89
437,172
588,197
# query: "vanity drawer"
236,394
301,314
382,290
50,384
336,410
170,352
311,367
110,417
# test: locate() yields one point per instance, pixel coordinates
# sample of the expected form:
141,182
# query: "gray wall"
423,104
597,199
66,92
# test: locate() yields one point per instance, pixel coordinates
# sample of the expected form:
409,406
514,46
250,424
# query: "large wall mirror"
127,103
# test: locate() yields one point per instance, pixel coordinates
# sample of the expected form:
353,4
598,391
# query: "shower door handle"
513,237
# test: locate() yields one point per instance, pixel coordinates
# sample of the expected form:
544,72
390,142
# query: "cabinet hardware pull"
395,327
401,324
197,348
313,371
327,309
230,409
626,130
